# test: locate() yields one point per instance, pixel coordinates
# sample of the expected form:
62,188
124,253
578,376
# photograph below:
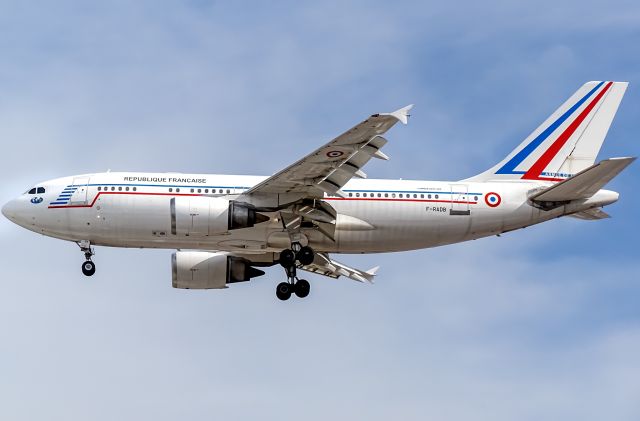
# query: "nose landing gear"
294,285
88,267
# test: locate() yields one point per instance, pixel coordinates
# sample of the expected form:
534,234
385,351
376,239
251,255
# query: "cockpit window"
40,190
32,191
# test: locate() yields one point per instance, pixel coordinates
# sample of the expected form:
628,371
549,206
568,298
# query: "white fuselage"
133,210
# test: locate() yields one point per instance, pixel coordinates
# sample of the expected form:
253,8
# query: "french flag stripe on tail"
510,166
536,169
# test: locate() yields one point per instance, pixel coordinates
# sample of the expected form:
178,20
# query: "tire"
305,256
287,258
88,268
283,291
302,288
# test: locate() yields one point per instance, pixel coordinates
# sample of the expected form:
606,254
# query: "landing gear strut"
88,267
293,285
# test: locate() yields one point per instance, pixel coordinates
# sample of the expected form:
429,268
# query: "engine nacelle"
208,270
202,216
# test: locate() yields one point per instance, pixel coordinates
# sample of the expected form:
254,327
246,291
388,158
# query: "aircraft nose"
9,210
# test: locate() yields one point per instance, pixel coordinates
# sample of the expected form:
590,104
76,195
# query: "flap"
324,265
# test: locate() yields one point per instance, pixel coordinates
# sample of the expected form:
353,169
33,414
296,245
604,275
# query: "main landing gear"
88,267
293,285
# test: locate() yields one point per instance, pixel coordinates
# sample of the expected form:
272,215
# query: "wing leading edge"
330,167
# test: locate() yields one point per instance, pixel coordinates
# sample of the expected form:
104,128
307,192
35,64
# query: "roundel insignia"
335,154
492,199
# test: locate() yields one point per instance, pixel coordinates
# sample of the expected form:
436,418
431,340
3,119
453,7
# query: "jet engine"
208,270
202,216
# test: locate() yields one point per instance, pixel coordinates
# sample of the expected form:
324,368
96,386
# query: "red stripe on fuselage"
326,198
536,169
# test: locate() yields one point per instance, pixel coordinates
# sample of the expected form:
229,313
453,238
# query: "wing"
329,168
324,265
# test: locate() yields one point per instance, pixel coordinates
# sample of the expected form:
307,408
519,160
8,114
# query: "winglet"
402,114
373,271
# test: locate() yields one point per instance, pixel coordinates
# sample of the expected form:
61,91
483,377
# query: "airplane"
224,228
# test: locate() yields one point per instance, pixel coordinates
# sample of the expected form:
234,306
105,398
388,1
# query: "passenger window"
113,188
400,195
357,194
436,196
228,191
178,190
127,188
119,188
386,195
350,194
220,191
192,190
206,190
379,195
393,195
422,196
135,188
199,190
415,196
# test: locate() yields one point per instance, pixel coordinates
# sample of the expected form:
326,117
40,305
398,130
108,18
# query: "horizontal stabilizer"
584,184
591,214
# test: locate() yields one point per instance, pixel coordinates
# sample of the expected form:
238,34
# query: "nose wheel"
294,285
88,267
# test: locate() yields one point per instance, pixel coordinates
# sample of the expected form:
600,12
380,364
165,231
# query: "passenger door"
459,200
79,196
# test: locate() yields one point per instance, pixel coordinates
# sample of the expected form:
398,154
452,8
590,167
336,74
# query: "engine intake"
208,270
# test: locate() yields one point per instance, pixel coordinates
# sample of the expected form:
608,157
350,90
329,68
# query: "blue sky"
538,324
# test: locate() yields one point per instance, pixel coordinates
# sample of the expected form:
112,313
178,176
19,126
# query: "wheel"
305,255
283,291
88,268
287,258
302,288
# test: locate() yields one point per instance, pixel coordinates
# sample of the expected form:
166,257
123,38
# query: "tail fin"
568,141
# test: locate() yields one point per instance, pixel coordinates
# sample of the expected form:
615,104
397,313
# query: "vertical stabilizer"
568,141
